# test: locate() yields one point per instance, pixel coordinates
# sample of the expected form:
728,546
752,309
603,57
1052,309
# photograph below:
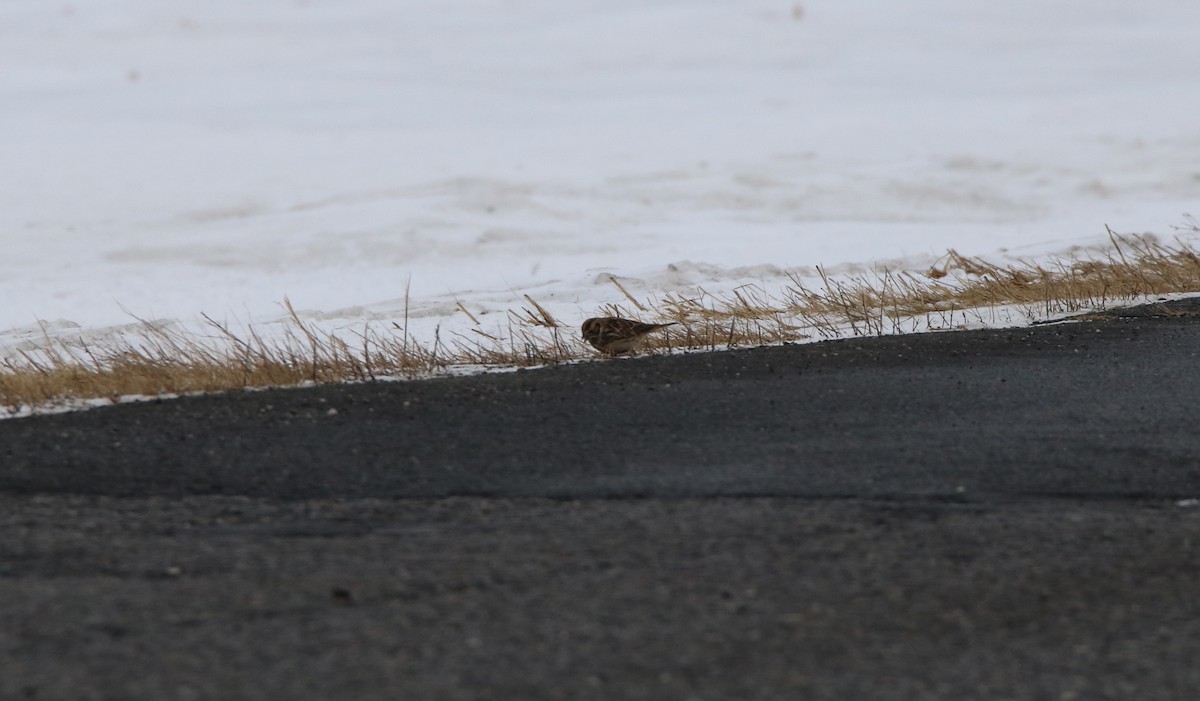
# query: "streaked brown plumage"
613,335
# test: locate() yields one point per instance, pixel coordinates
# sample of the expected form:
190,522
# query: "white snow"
170,157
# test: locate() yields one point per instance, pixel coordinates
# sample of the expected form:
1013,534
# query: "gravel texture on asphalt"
969,515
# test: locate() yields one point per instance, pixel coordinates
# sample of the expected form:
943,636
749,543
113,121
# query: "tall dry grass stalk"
957,290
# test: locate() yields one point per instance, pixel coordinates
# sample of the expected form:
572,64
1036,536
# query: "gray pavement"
975,515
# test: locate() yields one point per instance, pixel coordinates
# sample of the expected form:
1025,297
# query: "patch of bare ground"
953,293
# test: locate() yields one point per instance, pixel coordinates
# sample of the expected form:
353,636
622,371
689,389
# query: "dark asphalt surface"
977,515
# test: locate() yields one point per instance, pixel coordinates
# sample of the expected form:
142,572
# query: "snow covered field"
176,157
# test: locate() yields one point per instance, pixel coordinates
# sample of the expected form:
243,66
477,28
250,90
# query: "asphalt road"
971,515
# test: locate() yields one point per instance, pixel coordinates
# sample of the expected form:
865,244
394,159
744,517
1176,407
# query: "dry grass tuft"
957,291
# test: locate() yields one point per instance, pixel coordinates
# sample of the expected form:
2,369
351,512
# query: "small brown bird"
613,335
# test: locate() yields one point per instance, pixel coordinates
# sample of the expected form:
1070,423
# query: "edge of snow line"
1000,317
